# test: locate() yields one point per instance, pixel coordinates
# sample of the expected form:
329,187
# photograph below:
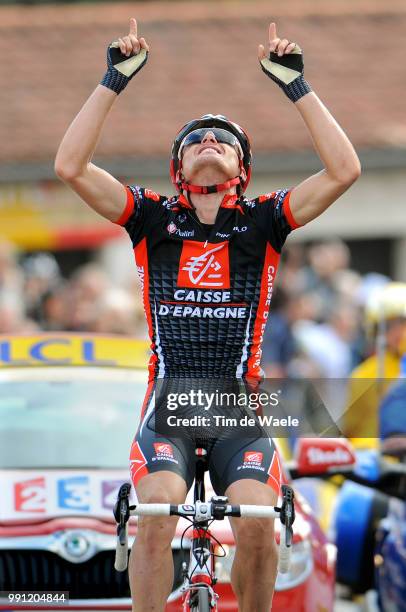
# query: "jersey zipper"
197,220
214,229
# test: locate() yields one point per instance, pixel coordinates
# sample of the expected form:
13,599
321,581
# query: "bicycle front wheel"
203,603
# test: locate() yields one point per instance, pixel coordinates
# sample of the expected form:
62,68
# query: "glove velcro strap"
287,72
297,89
114,80
121,69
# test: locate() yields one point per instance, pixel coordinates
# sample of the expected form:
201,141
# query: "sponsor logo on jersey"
162,448
204,312
263,313
151,195
266,197
192,303
202,296
185,233
136,191
164,452
240,230
280,195
204,267
253,457
252,460
141,274
173,229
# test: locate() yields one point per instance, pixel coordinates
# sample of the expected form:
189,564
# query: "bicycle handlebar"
216,509
204,510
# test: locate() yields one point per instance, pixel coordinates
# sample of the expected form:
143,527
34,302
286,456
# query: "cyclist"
386,324
207,259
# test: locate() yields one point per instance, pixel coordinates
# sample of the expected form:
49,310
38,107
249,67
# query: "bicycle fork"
200,573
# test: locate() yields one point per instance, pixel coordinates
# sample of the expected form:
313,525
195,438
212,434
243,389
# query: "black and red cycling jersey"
206,289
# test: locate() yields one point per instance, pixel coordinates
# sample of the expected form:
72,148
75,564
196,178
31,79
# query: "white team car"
69,409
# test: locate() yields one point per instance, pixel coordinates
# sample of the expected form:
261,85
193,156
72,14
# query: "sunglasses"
221,136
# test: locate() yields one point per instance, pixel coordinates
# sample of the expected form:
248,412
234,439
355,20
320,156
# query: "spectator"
326,261
41,274
11,277
279,345
328,344
54,312
118,313
12,317
88,285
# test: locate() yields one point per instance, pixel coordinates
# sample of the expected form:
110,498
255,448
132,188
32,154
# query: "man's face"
210,161
396,335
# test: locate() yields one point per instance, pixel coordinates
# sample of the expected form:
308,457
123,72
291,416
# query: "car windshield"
69,418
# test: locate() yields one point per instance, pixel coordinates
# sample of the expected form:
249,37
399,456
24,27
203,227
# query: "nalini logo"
171,228
253,457
204,267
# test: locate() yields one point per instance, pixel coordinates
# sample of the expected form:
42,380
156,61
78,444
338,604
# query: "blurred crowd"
34,295
316,322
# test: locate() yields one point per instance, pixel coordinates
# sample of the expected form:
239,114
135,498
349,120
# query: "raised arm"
309,199
99,189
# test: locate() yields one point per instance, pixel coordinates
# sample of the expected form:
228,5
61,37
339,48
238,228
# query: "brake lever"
287,512
121,509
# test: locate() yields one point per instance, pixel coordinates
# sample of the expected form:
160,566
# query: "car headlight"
300,568
224,563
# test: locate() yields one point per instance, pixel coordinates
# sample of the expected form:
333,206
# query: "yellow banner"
49,216
73,350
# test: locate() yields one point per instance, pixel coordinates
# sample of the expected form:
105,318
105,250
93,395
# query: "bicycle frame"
199,577
201,571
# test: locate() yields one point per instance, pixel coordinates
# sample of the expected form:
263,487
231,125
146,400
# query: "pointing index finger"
272,31
133,26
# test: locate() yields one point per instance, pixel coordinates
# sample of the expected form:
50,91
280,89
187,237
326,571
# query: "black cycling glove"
287,72
120,68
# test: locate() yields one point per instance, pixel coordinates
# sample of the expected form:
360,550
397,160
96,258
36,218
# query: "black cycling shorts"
231,455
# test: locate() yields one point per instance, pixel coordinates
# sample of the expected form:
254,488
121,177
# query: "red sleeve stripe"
288,213
129,207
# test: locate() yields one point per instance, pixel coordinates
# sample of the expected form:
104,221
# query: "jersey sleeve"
274,217
143,208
